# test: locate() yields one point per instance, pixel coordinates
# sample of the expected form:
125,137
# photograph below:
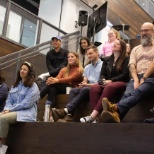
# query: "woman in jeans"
114,75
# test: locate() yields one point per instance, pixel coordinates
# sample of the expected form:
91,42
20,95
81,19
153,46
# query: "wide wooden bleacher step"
78,138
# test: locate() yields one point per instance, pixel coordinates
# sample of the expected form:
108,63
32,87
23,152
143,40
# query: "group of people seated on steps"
90,78
101,84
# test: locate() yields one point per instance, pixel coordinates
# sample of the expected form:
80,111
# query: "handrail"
40,21
39,18
39,45
33,50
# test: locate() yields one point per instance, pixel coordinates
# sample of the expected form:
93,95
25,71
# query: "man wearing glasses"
141,85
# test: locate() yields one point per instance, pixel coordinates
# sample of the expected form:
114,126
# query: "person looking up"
142,83
113,35
113,79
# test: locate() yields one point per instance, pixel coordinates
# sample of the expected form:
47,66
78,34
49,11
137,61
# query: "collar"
99,61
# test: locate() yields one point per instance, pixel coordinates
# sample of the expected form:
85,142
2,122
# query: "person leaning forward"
77,95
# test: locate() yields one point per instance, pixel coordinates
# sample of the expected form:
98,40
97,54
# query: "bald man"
141,66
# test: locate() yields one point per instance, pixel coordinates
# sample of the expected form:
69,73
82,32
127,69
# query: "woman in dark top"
3,91
84,43
114,75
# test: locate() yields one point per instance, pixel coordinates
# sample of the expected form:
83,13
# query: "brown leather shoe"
110,117
67,118
58,113
107,106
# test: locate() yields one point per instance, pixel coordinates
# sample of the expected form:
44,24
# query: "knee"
72,91
95,88
2,118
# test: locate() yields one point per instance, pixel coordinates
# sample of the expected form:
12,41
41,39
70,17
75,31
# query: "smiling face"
56,43
127,48
84,44
92,55
117,46
147,32
24,71
112,35
72,59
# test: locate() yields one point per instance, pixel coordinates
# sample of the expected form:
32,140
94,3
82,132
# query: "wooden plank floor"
78,138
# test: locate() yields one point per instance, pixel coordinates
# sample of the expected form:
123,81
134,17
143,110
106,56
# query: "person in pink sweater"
113,35
69,76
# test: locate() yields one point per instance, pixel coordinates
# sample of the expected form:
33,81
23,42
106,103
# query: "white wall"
50,11
70,14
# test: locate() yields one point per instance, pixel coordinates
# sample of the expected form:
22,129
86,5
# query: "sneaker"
3,149
67,118
110,117
87,119
58,113
41,77
151,120
152,110
107,106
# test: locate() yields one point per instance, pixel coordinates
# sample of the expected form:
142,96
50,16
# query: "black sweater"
108,71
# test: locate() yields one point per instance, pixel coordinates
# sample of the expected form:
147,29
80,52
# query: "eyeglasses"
145,30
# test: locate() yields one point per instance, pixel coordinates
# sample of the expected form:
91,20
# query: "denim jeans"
76,97
132,96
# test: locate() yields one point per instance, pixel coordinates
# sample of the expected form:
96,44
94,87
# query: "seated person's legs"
5,120
95,90
111,112
109,91
77,96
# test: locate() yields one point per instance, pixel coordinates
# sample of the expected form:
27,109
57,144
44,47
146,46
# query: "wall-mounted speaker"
83,17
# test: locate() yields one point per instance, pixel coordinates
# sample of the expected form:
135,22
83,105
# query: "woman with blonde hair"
113,35
69,76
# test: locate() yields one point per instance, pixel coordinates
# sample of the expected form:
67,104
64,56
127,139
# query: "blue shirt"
92,72
23,100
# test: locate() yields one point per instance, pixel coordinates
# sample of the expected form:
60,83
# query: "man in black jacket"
56,59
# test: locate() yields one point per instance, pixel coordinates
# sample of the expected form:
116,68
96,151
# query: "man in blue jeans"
141,85
91,76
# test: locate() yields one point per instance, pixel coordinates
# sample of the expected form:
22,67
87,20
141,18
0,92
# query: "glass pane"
2,15
47,33
13,29
29,33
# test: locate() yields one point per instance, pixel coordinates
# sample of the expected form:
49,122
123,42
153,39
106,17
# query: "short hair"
92,47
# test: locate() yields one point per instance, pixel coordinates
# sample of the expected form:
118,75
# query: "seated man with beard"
142,83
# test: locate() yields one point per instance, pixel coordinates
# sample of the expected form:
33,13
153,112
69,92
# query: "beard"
146,40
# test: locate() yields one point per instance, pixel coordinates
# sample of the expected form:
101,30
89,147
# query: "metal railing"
35,55
16,22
